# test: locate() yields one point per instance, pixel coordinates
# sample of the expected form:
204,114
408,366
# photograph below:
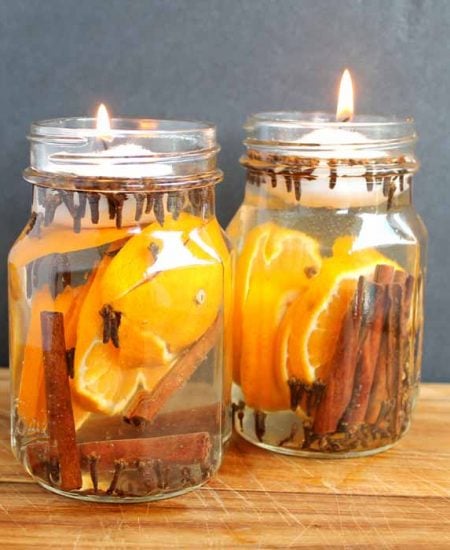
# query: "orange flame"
344,111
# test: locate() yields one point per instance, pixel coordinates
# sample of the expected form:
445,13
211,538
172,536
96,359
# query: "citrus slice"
310,328
133,265
100,384
59,240
140,347
167,283
274,267
166,286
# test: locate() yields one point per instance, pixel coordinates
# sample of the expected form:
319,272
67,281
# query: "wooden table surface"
399,499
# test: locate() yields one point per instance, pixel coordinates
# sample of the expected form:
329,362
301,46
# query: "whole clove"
111,323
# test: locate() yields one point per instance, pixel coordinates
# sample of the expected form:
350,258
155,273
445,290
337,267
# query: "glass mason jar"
328,309
117,290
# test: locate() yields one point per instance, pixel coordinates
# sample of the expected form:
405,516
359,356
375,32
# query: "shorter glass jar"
328,285
117,304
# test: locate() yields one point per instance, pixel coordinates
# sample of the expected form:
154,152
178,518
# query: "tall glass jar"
328,309
117,295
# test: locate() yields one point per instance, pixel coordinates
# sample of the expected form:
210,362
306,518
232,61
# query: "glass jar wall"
328,309
117,310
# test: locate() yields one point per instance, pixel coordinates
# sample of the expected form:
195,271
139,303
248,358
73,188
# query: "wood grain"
399,499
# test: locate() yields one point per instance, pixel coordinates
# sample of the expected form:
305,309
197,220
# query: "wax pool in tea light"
328,284
118,385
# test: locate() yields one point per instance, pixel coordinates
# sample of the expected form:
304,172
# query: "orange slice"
100,384
273,268
132,266
54,239
140,347
310,328
168,285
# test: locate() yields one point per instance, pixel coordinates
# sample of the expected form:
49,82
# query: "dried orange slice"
310,328
274,267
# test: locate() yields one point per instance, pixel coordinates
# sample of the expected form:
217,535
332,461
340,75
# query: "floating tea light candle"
339,152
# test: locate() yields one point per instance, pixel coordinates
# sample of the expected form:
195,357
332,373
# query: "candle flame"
344,111
103,121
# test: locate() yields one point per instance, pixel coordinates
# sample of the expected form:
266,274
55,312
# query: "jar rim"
304,130
318,118
78,127
133,148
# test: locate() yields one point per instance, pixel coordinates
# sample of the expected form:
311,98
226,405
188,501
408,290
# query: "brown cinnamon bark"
304,395
409,289
407,333
379,394
391,343
61,426
400,277
368,356
193,448
407,282
147,404
205,418
397,357
384,274
339,388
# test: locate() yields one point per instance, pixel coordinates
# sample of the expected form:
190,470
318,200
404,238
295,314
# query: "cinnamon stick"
206,417
368,356
146,405
396,359
379,396
192,448
407,330
384,274
417,330
304,395
407,282
61,425
339,386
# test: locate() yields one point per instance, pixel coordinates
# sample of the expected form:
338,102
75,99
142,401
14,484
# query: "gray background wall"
220,60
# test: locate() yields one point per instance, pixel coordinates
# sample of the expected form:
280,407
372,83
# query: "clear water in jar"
328,323
117,315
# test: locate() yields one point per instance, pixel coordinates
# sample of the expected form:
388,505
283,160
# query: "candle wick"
105,144
345,118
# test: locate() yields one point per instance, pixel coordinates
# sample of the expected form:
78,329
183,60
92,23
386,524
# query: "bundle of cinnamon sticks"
365,397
